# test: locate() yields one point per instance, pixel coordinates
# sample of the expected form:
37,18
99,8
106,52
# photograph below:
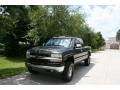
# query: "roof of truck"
64,37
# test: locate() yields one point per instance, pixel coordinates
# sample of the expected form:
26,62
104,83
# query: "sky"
103,18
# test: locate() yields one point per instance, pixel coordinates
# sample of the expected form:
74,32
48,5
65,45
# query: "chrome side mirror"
78,46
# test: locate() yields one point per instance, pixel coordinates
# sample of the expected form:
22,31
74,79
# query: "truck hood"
48,49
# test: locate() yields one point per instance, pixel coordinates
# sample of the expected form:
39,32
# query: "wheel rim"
70,71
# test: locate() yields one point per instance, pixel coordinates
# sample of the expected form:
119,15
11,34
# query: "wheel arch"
89,53
69,58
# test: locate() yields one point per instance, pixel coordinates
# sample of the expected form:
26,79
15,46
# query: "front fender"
71,55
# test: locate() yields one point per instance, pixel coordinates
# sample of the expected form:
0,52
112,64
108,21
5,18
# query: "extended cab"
59,54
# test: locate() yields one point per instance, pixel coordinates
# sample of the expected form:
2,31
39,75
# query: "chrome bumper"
52,68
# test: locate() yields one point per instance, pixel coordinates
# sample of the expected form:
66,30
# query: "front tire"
68,71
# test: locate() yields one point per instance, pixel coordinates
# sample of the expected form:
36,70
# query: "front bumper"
42,67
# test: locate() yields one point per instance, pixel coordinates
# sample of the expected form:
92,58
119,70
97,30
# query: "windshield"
59,42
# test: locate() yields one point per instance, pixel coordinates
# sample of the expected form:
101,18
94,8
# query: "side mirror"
78,46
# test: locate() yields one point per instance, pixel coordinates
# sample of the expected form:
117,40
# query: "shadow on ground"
46,78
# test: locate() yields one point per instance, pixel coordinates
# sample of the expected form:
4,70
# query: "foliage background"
37,24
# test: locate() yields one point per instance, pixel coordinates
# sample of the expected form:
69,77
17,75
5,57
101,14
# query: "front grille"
38,61
41,54
45,55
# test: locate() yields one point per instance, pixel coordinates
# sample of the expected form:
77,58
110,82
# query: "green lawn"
11,66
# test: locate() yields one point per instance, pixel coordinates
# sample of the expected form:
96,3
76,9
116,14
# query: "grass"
11,66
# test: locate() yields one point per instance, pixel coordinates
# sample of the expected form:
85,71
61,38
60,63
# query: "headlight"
56,55
27,54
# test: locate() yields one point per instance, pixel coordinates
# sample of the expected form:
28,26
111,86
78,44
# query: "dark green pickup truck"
59,54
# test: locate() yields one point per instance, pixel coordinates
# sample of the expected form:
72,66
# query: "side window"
77,41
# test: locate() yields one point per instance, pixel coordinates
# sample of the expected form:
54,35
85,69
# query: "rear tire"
87,61
68,71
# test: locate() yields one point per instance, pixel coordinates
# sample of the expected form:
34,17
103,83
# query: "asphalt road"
103,70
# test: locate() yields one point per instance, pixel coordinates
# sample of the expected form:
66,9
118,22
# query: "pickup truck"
59,54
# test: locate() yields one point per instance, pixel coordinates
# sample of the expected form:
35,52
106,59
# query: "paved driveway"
104,69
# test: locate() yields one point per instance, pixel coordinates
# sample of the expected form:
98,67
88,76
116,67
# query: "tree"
15,27
100,40
37,24
48,21
118,36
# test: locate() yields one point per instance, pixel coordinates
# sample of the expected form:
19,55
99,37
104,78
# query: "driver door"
78,51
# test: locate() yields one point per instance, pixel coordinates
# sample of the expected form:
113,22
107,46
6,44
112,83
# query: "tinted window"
77,41
59,42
